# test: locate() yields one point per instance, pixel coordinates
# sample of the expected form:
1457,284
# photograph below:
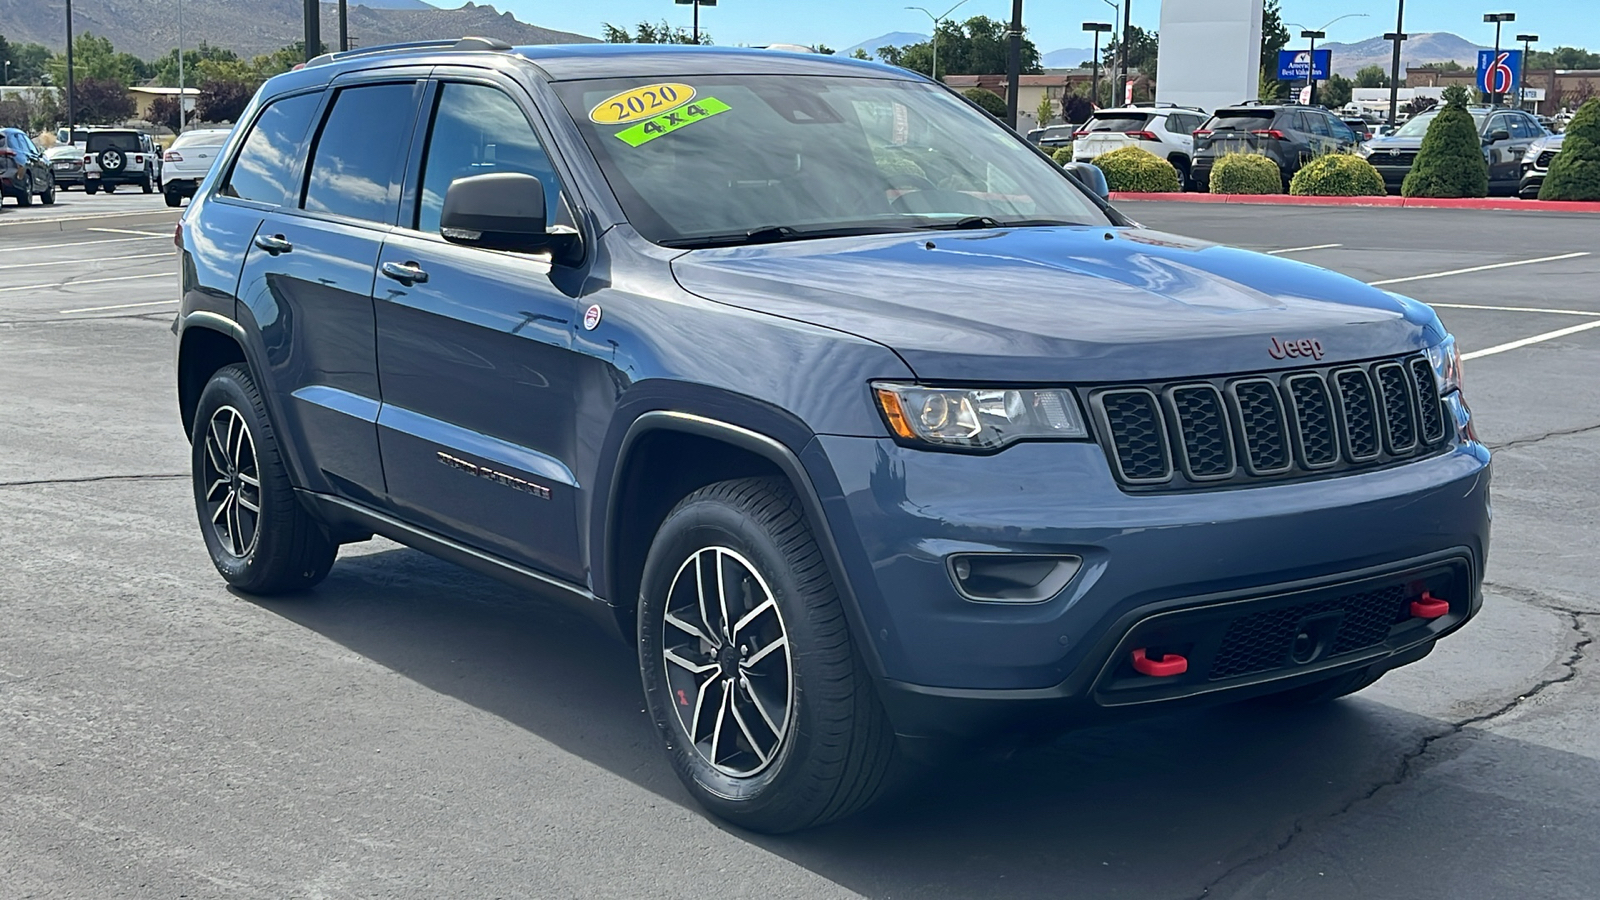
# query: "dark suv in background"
1506,133
24,170
867,425
1289,135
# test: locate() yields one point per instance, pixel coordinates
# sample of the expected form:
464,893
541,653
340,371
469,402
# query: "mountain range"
892,39
250,27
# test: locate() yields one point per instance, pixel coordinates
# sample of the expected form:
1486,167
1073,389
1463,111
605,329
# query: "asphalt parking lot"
410,729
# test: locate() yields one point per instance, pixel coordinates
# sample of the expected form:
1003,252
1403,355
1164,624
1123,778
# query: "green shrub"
1246,173
1062,155
1337,175
991,102
1137,170
1451,161
1575,172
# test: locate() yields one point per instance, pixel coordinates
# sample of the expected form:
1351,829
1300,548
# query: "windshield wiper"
773,234
973,222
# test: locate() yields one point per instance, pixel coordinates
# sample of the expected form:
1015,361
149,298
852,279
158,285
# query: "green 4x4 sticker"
667,123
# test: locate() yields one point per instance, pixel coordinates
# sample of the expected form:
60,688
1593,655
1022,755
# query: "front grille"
1263,641
1237,430
1544,159
1401,158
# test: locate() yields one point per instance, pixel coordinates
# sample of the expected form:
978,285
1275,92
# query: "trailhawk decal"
639,103
666,124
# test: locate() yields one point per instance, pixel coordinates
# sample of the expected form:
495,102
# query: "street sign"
1504,69
1295,65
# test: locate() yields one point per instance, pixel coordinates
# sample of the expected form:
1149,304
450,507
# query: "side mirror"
1496,137
1090,177
501,211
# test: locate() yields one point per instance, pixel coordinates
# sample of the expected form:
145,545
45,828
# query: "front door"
307,287
474,351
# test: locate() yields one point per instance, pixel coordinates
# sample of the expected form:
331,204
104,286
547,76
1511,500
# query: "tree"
1419,105
1270,87
102,101
164,111
1448,65
1575,172
859,53
15,113
1451,161
95,58
825,50
1075,107
29,63
978,46
165,69
1372,77
1143,49
647,33
987,100
1274,37
1456,95
223,99
1563,58
1045,111
1336,91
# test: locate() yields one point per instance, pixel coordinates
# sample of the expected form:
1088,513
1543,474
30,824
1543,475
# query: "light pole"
344,26
313,14
1122,51
937,21
1116,28
696,4
1522,70
1014,64
180,67
8,73
1492,81
72,103
1098,28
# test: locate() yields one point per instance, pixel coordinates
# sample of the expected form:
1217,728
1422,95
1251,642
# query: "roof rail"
466,43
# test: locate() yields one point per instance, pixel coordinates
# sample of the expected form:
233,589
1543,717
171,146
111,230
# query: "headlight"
1365,150
978,419
1446,365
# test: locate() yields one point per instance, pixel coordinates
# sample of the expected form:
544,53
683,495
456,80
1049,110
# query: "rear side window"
265,168
356,166
1118,123
1241,120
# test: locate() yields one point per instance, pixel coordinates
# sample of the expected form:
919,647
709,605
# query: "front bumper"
1393,176
1532,181
901,512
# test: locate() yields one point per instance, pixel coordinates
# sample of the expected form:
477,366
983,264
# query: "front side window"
358,157
478,130
265,168
737,158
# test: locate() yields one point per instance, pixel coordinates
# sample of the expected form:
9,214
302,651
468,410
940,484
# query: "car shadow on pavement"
1159,807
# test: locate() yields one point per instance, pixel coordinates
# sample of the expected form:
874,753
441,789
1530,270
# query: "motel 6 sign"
1499,75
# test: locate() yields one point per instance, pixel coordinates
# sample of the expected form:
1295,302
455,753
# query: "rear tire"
91,188
48,198
25,192
147,185
797,737
236,465
174,199
111,188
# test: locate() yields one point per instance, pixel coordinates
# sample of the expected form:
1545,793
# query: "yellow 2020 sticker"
640,103
667,123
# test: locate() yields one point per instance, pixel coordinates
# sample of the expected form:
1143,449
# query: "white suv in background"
188,160
1163,129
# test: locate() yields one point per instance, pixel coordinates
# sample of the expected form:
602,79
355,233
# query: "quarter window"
478,130
356,166
265,168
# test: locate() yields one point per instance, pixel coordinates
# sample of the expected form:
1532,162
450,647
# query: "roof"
1023,81
573,62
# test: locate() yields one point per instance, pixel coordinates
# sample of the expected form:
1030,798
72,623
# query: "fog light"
1012,577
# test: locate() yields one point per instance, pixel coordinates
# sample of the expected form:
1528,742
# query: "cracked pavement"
414,730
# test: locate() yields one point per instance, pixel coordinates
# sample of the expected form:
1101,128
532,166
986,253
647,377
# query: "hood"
1063,304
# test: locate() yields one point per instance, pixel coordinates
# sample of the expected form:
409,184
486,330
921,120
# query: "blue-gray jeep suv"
870,426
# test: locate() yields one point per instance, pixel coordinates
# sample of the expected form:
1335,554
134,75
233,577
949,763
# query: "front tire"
260,538
174,199
147,185
25,192
91,188
765,709
48,198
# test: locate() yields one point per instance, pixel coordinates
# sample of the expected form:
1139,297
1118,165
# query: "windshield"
1417,126
128,142
742,158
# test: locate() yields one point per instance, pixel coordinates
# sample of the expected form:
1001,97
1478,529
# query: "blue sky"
1053,24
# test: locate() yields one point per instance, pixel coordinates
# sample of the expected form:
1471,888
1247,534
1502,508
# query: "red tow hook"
1160,665
1429,607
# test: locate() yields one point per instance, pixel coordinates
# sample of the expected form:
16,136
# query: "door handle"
274,243
407,273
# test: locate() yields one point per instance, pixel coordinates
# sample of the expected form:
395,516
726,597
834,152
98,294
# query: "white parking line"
79,262
78,244
1525,309
1536,339
64,284
118,306
1504,265
129,231
1302,249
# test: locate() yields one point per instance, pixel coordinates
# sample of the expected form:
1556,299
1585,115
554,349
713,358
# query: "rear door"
477,426
1505,155
307,282
1108,131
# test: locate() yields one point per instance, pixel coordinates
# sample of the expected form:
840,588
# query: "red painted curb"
1496,203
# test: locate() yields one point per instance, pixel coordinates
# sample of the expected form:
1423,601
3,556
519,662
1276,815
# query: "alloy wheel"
727,662
233,482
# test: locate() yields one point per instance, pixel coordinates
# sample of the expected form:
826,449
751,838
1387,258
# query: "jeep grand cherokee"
867,424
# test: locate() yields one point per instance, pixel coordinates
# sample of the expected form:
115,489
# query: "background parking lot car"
188,160
1288,135
114,157
1162,130
24,171
1506,133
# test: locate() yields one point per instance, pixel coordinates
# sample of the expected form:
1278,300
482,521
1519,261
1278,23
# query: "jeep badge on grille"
1304,347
